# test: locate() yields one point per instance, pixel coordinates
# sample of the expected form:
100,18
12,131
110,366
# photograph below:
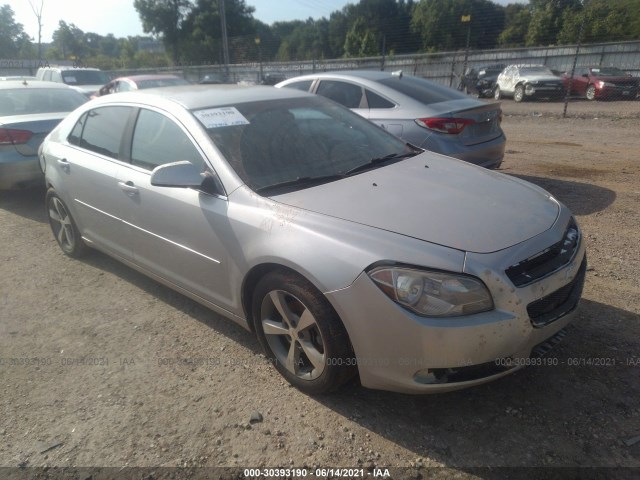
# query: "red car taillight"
9,136
451,126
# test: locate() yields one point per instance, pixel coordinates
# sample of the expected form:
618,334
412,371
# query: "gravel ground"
121,371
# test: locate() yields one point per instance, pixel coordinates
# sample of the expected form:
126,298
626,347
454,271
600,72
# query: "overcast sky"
120,18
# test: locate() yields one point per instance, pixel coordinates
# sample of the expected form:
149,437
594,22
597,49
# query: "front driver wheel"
301,333
63,227
518,93
591,92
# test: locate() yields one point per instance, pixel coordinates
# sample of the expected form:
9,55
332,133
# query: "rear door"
87,168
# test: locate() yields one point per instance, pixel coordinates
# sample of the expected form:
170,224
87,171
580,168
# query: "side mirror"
585,75
178,174
184,174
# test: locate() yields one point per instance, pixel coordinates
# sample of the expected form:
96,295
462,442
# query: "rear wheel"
518,93
63,227
591,92
497,94
301,333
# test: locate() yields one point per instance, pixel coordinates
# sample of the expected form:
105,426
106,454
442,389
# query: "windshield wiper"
303,182
375,161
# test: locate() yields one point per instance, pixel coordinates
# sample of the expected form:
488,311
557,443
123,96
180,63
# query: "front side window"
158,140
345,94
103,129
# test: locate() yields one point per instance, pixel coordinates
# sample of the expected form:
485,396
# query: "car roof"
6,84
148,77
194,97
372,75
67,67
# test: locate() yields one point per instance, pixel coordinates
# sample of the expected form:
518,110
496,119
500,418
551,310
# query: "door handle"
64,164
129,188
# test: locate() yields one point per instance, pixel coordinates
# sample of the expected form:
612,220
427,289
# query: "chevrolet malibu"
345,250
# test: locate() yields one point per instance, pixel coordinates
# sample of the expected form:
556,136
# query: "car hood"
86,89
541,78
623,79
436,199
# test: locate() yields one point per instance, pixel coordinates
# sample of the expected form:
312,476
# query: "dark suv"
481,80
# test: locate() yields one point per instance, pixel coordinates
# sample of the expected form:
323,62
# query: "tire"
518,93
497,94
301,333
591,92
64,227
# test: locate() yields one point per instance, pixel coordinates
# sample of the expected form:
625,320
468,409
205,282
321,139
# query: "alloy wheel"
61,225
293,334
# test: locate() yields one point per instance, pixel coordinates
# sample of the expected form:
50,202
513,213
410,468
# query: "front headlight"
533,82
433,294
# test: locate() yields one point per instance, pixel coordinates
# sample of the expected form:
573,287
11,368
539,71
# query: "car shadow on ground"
573,194
559,413
180,302
28,203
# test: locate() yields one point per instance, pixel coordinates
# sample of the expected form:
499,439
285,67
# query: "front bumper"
543,91
618,91
399,351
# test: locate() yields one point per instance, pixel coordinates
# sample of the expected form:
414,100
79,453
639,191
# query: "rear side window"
346,94
422,90
76,134
304,85
376,101
158,140
103,129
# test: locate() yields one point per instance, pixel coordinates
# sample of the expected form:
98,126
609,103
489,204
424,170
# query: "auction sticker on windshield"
221,117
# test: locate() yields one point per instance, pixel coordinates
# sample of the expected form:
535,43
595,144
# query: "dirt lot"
121,371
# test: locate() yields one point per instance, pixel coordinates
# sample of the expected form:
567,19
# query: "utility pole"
466,19
225,41
573,66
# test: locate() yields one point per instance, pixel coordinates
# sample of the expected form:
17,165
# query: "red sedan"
603,83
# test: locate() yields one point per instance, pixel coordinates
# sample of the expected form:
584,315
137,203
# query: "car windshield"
26,101
160,82
422,90
536,71
608,72
284,141
84,77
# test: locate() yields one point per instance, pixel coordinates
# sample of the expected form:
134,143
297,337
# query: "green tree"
547,20
164,18
517,18
13,39
360,41
438,22
70,41
604,21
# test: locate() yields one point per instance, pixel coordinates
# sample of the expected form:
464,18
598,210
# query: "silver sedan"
424,113
347,251
28,112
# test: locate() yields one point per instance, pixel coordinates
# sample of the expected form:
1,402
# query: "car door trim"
184,247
